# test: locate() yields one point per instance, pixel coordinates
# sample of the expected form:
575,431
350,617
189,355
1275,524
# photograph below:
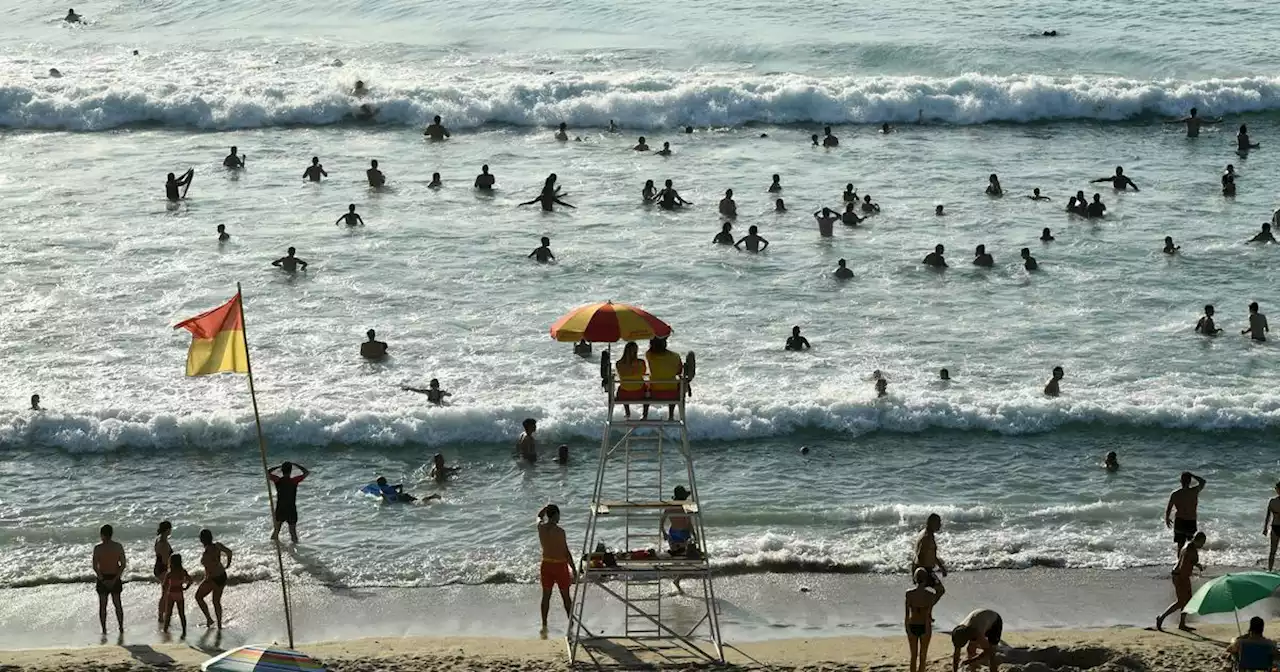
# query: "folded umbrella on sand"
261,659
1232,592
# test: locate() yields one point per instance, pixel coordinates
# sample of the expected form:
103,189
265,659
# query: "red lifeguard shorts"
555,574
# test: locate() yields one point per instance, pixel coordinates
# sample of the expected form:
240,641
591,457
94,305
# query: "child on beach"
176,581
556,570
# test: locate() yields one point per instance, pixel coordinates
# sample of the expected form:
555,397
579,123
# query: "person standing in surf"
1182,506
1193,123
109,563
314,171
287,497
172,183
926,551
233,160
215,577
163,552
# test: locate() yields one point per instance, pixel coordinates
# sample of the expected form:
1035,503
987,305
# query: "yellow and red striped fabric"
608,322
217,341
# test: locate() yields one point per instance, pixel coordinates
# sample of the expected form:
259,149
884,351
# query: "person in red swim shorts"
557,565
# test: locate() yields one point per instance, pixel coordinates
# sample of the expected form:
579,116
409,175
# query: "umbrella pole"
1237,615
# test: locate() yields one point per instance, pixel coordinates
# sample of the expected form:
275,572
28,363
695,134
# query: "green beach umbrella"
1232,592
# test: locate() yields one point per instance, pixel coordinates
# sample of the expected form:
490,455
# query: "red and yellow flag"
217,341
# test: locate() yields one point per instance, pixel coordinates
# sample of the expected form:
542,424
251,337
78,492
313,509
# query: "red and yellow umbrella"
608,322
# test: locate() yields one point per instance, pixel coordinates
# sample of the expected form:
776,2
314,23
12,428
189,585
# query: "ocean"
98,267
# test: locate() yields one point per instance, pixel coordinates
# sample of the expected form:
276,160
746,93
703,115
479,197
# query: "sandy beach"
1104,650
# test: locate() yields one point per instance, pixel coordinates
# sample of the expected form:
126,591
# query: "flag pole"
266,471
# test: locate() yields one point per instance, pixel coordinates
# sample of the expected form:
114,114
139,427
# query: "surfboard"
191,176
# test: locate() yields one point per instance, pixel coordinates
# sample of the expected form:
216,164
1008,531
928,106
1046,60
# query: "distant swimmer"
1169,247
1119,181
1111,462
172,183
1097,208
223,236
562,134
993,186
829,140
1046,236
981,258
435,395
666,149
1263,236
1049,33
935,258
641,146
728,208
1073,206
436,130
843,272
1229,170
290,263
688,130
669,198
1258,327
373,349
1051,388
1205,324
849,195
937,211
72,17
1275,217
485,180
779,206
882,387
1028,261
582,348
1035,195
1242,140
753,240
359,89
814,139
314,171
944,374
376,178
613,128
1228,184
350,218
54,73
649,193
439,471
1193,123
886,128
550,196
869,207
850,215
233,160
826,220
776,185
35,403
724,237
796,342
543,252
435,182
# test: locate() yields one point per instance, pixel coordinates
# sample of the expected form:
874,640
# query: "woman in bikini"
215,577
163,551
919,617
175,582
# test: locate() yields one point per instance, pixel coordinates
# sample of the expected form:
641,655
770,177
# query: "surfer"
350,217
641,146
233,160
669,198
435,395
1169,247
1046,236
1263,236
215,575
826,219
109,563
1193,123
724,237
776,185
1242,140
728,208
829,140
666,149
1205,324
935,258
376,178
1028,261
842,272
373,349
290,263
993,186
314,171
753,240
392,493
981,258
542,253
1035,195
562,134
435,130
223,236
172,183
1097,209
1119,181
1051,388
796,342
72,17
1258,327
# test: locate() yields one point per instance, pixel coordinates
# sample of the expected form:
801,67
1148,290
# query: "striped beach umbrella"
262,659
608,322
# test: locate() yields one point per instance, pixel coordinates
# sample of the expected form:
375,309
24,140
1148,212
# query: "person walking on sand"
109,563
980,633
175,582
1188,560
1271,527
163,551
556,570
215,577
919,616
926,552
1182,506
287,497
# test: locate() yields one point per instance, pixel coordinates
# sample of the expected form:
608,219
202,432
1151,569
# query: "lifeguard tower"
625,558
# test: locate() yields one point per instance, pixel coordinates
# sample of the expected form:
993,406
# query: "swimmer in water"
1097,209
314,171
233,160
1111,462
35,402
542,253
1228,185
814,138
665,151
882,387
649,193
886,128
1229,170
1051,388
776,185
1072,206
72,17
849,195
935,258
1049,33
172,183
435,182
1263,236
1119,181
728,208
350,218
563,133
688,130
1193,123
981,258
359,90
842,272
373,349
1242,140
1257,328
797,343
937,211
641,146
753,240
826,219
1169,247
54,73
223,236
850,216
869,207
1035,195
435,395
485,180
944,375
1028,261
779,206
993,186
376,178
289,263
724,237
1205,325
613,128
669,198
1046,236
436,130
829,140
